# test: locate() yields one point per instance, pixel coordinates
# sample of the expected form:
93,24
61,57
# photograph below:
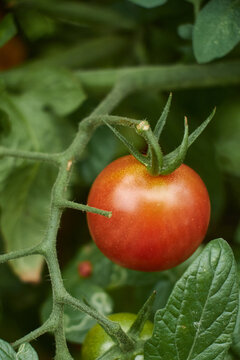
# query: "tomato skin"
157,221
97,342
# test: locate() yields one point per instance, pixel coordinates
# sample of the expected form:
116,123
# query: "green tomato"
97,342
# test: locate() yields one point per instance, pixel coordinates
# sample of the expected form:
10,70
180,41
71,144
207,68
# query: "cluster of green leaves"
216,30
199,317
33,120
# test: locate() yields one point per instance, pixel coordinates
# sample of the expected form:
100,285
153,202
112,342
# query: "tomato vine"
65,161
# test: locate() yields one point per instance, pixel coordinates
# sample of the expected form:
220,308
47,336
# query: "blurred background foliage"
46,48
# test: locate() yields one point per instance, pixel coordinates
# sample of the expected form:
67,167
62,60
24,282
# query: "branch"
73,205
112,328
62,352
28,155
81,13
173,77
48,326
20,253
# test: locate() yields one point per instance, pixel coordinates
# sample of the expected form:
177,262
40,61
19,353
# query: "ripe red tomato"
157,221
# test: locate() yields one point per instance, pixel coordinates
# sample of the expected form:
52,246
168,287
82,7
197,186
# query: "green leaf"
142,316
6,351
195,134
25,210
77,324
33,127
236,335
172,161
101,267
7,29
217,29
64,91
26,352
149,3
143,159
111,276
34,24
163,118
200,316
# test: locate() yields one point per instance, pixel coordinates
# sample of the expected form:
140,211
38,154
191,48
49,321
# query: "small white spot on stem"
143,126
69,165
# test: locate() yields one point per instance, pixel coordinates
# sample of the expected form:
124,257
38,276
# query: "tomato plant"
97,342
157,221
75,78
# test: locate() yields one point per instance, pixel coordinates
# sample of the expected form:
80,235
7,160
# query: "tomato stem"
65,161
154,150
81,207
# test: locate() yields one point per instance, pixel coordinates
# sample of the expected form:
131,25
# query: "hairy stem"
48,326
82,13
113,329
170,78
73,205
62,352
29,155
20,253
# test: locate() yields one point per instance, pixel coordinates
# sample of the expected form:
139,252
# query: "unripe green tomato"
97,342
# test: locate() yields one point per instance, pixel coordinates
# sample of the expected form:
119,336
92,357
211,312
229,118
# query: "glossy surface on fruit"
157,221
97,342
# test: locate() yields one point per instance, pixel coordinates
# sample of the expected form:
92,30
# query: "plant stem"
131,81
154,150
62,352
112,328
48,247
29,155
48,326
81,13
20,253
169,78
73,205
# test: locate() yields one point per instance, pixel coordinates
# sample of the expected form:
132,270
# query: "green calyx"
128,345
155,162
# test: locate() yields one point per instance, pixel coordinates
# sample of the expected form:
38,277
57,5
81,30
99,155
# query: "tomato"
12,53
85,269
97,342
157,221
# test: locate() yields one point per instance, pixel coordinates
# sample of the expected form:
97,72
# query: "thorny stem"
131,81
